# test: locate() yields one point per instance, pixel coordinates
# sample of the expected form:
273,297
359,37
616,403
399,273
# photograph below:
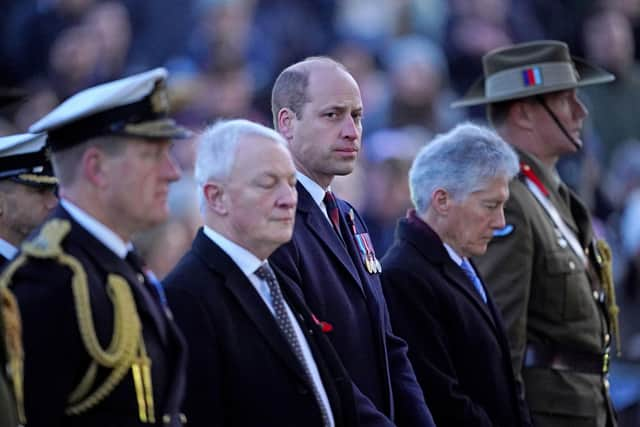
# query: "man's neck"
92,207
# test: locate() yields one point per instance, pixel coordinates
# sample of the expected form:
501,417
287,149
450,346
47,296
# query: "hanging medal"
365,247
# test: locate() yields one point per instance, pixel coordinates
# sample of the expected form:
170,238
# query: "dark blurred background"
411,59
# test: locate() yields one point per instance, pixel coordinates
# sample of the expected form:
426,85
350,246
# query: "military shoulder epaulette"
45,245
126,348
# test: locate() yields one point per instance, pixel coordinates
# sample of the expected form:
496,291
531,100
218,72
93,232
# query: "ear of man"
96,167
286,123
441,201
521,114
215,197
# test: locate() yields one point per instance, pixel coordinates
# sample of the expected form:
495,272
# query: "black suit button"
304,390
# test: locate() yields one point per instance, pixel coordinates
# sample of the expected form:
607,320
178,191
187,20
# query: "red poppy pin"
324,326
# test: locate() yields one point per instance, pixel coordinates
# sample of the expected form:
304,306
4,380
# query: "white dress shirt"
248,264
97,229
316,192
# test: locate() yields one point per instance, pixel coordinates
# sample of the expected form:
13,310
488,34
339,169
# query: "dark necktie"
265,273
333,211
471,274
152,284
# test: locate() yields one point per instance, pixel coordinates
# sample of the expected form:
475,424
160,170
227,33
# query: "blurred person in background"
419,86
608,42
386,162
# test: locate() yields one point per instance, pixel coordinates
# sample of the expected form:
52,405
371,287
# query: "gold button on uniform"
607,339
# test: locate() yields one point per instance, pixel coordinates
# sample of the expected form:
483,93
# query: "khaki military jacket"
549,296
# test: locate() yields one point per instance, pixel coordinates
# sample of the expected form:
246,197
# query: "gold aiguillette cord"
141,371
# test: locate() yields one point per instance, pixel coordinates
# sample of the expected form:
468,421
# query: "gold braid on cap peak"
39,179
126,345
606,276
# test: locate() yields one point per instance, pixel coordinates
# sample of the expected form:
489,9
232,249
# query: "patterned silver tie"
265,273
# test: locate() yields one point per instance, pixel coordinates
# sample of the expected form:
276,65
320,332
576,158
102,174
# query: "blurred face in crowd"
258,199
470,223
326,139
23,208
137,184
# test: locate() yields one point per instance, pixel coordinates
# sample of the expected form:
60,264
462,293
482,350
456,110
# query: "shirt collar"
7,250
245,260
315,190
453,254
97,229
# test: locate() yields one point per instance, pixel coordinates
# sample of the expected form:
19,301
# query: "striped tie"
265,273
332,210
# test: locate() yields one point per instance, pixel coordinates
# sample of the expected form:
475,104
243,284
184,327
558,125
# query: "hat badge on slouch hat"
529,69
135,106
25,159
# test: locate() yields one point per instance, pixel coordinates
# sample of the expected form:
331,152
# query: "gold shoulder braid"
606,277
13,334
126,349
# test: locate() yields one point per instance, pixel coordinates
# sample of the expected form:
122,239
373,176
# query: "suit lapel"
317,223
248,298
427,242
109,262
463,283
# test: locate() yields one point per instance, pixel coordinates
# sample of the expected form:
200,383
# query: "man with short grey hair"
257,356
437,301
549,274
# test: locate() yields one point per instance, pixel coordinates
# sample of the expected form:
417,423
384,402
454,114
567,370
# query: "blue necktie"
471,274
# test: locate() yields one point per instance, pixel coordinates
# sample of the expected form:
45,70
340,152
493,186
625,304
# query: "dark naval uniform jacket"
341,291
457,343
8,417
56,357
242,371
552,303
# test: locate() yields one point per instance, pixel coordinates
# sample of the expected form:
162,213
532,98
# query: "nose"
288,199
171,170
498,220
350,128
580,110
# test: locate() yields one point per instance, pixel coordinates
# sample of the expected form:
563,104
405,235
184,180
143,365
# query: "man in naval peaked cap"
96,328
27,189
27,196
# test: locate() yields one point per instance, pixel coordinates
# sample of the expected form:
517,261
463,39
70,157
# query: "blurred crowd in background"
411,58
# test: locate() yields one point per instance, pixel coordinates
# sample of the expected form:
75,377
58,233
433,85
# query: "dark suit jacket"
456,342
339,290
55,355
242,372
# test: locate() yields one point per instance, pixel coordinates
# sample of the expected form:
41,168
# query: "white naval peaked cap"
133,106
23,158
